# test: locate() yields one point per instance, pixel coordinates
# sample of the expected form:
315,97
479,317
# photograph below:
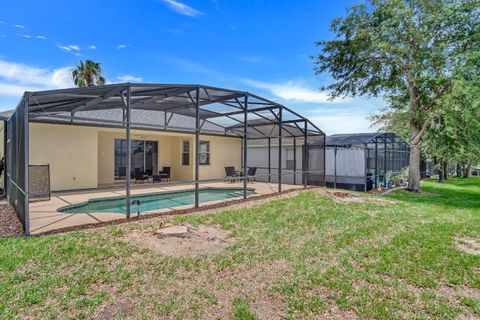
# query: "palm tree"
87,74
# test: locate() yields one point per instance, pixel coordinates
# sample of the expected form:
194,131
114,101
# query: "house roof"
164,107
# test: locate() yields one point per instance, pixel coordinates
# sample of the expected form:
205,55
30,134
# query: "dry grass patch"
468,245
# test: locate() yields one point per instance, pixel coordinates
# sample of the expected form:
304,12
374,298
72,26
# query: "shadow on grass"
455,192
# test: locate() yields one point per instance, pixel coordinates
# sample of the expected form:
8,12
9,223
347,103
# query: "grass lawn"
306,256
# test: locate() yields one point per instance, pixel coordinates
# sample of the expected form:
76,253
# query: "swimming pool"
154,201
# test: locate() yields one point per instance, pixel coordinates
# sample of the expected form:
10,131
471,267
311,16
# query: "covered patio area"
98,142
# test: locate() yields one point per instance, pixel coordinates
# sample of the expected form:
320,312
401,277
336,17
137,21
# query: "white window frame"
208,152
187,152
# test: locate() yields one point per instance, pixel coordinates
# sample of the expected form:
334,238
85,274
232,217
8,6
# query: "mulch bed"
9,223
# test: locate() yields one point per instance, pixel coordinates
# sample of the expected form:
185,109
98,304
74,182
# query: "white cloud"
129,78
16,78
182,8
41,37
92,47
295,91
122,46
70,47
66,48
19,26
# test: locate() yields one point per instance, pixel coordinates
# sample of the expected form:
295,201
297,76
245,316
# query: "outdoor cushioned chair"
140,176
231,174
165,173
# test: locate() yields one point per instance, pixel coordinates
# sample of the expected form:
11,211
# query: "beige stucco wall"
71,152
224,151
83,157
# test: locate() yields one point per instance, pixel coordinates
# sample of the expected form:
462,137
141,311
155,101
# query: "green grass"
299,257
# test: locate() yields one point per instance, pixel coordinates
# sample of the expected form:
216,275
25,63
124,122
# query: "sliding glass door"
144,155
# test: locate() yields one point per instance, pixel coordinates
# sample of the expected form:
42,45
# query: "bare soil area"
468,245
179,241
9,223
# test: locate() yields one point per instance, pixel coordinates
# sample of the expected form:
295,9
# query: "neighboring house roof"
170,107
4,115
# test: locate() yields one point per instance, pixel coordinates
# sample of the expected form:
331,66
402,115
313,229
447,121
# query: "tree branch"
434,100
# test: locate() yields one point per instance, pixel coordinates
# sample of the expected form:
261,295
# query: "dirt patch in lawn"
9,223
182,240
120,308
468,245
344,197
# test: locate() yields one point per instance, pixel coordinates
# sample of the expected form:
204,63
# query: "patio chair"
156,178
165,173
231,174
140,176
252,171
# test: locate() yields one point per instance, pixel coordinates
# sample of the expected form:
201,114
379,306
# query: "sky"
264,47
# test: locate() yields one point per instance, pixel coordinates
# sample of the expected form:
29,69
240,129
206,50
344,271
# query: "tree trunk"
414,166
416,133
459,170
466,170
445,170
441,172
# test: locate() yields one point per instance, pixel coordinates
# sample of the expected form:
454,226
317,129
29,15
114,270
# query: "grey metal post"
335,167
26,160
197,145
128,154
294,161
376,162
280,149
365,169
245,145
269,160
305,151
385,160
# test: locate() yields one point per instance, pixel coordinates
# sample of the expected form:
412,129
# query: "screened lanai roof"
170,107
361,138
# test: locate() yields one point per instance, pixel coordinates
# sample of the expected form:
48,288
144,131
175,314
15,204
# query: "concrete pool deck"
44,216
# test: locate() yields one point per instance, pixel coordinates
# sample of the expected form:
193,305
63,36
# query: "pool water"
154,201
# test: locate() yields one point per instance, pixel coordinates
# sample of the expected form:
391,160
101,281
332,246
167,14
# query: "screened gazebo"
362,161
81,138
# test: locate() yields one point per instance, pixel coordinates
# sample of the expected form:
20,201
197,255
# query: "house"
77,139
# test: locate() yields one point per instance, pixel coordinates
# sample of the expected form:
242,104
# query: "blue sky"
258,46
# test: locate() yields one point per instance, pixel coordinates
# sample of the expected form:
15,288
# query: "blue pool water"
153,201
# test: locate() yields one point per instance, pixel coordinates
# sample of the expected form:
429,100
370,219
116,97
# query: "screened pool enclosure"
364,161
84,136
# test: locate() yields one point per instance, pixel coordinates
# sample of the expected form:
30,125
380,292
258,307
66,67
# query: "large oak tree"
409,52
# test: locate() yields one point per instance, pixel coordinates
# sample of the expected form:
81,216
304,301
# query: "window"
290,161
204,153
185,153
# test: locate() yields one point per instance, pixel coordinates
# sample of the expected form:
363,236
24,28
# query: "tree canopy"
88,73
409,52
